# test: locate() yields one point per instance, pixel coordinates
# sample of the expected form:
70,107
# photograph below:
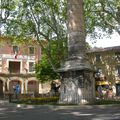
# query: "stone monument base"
77,82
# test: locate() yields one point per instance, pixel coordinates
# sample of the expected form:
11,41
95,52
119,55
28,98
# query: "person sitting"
110,93
100,93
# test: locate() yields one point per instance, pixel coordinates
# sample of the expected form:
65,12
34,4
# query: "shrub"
42,100
105,102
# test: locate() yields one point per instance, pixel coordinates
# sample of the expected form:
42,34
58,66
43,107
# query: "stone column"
76,28
26,85
77,83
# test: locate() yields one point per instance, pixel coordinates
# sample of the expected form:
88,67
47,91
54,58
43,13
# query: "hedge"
42,100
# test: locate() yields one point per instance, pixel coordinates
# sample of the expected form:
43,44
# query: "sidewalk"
3,102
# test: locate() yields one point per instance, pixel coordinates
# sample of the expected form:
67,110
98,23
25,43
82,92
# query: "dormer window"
98,58
31,50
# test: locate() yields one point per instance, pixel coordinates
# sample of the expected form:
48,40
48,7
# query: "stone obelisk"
77,82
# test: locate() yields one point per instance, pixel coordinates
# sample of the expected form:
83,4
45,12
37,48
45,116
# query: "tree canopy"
50,61
102,14
46,20
40,19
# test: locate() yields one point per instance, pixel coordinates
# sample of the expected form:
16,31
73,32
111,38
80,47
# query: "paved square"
49,112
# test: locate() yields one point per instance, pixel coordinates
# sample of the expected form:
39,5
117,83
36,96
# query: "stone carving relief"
74,84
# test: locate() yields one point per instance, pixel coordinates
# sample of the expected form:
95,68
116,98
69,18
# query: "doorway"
33,86
12,85
1,88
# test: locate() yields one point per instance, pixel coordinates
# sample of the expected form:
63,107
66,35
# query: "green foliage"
54,53
107,102
47,18
42,100
15,40
41,19
103,15
7,8
44,70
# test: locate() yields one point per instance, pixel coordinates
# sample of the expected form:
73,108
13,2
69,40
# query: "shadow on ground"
50,112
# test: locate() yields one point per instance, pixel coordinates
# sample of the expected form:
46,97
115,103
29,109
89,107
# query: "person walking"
17,91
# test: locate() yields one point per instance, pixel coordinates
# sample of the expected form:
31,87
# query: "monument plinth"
77,82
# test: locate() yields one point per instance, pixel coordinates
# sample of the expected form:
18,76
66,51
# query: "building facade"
17,61
106,61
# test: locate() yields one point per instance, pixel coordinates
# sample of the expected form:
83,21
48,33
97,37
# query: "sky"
106,42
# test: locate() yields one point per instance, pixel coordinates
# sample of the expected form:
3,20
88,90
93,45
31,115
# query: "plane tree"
103,15
41,15
46,20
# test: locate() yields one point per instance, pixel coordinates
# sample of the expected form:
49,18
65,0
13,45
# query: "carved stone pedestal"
77,83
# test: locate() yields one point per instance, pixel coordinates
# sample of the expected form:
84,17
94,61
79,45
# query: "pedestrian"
17,90
14,88
110,93
114,90
100,93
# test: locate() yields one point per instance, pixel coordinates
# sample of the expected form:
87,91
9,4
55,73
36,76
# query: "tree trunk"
77,83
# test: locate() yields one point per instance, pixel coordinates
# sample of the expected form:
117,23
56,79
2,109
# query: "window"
14,67
98,58
118,70
31,67
117,56
31,50
15,49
